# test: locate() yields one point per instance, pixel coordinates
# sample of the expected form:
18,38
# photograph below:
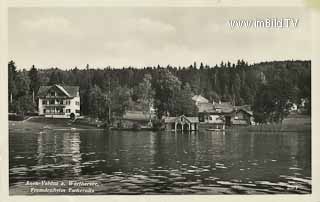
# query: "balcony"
54,105
54,113
56,96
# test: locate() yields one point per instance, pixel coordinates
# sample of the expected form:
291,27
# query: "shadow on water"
145,162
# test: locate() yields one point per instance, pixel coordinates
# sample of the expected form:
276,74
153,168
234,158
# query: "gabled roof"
70,91
225,107
63,90
206,107
174,119
245,108
200,99
246,111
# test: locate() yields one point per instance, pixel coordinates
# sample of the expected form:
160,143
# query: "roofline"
61,88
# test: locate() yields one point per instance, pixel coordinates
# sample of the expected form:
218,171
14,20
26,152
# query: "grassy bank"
41,123
293,123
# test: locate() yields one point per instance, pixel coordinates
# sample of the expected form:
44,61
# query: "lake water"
123,162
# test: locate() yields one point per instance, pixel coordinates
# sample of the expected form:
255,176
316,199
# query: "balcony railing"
54,113
55,105
55,96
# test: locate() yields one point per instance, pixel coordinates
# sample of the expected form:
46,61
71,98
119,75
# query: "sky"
147,36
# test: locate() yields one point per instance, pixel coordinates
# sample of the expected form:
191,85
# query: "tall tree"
184,105
23,101
97,104
146,97
12,88
166,88
34,82
120,101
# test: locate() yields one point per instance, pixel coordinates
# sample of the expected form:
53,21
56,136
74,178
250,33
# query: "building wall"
170,126
242,116
73,107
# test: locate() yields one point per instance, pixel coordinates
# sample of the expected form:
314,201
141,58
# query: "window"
52,93
77,103
68,110
44,102
78,111
52,102
44,111
67,102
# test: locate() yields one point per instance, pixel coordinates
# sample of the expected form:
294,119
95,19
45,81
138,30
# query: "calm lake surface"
125,162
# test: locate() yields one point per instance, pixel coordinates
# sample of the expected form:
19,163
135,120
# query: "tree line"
106,93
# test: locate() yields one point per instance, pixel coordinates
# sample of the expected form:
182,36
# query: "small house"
242,117
221,114
216,122
181,123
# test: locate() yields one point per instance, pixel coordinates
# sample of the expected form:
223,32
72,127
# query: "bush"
16,117
136,126
157,124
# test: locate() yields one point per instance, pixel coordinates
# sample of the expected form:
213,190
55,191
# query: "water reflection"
197,162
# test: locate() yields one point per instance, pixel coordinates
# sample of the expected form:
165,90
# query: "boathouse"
181,123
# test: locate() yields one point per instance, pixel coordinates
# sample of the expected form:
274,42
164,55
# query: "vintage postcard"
187,101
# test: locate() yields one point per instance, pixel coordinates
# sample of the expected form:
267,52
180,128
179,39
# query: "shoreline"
46,124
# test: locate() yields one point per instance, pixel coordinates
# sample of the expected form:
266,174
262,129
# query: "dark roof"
206,107
217,108
245,108
70,91
246,111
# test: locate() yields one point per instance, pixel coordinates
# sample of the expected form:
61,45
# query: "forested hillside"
269,87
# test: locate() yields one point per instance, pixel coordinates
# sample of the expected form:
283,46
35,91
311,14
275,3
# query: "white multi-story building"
59,101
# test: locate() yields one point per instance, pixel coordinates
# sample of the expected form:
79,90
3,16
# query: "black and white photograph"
159,101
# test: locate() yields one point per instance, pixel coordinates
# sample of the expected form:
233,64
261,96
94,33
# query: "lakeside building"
59,101
221,114
181,123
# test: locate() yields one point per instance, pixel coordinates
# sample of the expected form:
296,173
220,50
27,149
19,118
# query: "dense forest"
269,87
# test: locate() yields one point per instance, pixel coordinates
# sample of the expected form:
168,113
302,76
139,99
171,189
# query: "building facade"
221,114
242,117
58,101
181,123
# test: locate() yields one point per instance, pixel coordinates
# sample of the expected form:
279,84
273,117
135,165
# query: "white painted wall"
73,108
